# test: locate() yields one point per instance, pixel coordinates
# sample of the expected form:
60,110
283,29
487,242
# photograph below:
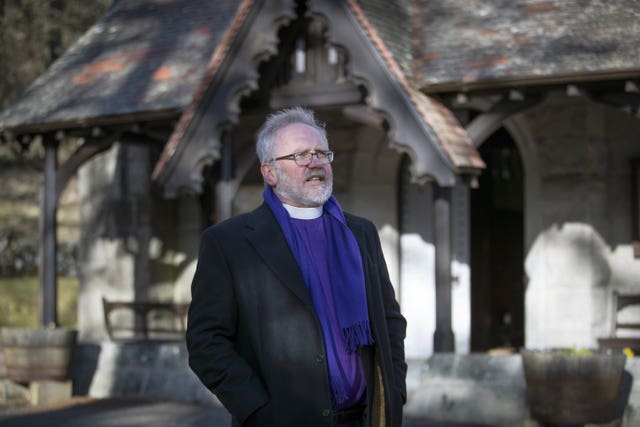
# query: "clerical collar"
303,213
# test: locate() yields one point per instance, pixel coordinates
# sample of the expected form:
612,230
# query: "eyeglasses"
306,157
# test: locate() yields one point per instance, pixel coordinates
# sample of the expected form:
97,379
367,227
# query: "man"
293,319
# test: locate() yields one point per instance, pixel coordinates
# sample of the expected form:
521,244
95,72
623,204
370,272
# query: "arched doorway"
497,247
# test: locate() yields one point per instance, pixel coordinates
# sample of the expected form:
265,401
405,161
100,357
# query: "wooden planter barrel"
566,389
37,354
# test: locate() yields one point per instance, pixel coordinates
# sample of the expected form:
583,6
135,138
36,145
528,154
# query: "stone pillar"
443,339
460,267
136,190
417,269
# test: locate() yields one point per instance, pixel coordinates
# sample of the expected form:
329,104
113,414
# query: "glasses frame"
300,156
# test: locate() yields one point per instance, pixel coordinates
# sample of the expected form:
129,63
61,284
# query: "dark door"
497,248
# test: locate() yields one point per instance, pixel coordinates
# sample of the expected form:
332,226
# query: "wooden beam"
485,124
80,156
48,241
224,188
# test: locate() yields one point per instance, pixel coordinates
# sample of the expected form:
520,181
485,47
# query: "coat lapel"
264,234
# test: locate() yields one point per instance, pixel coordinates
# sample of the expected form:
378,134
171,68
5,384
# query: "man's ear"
269,174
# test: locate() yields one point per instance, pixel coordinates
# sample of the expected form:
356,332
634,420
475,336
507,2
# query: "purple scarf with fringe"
345,273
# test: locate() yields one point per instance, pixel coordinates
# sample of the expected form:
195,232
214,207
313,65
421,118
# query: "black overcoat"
254,339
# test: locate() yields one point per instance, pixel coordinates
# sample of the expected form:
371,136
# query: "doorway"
497,248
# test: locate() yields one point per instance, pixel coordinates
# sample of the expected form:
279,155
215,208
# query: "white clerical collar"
303,213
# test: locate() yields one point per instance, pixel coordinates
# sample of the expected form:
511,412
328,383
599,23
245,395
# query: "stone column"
443,339
136,190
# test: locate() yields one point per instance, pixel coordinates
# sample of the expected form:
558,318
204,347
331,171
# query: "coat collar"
263,232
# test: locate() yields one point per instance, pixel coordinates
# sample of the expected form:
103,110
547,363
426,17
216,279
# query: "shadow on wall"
83,367
138,369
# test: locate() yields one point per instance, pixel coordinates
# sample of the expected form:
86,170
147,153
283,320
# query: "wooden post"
443,339
48,240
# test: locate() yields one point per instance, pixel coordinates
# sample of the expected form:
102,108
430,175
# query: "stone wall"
149,370
135,245
580,249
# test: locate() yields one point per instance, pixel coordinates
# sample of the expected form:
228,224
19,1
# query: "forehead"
298,137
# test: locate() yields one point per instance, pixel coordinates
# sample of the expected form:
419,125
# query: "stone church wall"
135,245
582,248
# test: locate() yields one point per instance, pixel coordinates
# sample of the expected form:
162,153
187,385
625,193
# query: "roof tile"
487,40
141,57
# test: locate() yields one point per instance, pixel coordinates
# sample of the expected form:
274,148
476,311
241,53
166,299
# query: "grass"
19,305
19,220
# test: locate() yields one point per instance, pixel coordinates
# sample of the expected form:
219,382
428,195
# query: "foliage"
34,33
576,351
20,301
19,222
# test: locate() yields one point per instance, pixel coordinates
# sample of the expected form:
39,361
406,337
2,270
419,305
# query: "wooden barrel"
37,354
565,389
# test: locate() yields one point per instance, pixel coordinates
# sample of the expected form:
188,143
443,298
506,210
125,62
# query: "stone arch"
521,136
518,128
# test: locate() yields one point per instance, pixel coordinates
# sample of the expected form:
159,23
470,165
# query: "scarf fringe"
338,390
357,335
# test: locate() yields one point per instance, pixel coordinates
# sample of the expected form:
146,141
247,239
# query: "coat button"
326,412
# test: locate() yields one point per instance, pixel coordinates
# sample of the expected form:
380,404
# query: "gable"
418,125
231,73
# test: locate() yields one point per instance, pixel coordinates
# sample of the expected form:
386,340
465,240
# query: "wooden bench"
145,320
614,341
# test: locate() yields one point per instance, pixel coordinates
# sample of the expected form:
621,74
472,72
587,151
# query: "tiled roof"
392,21
484,41
147,57
142,58
453,139
212,68
150,56
450,136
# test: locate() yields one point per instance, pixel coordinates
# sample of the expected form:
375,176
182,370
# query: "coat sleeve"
396,323
211,328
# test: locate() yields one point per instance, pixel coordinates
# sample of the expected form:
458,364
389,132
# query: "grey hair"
275,122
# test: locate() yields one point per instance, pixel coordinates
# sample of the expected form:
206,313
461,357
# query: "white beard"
288,189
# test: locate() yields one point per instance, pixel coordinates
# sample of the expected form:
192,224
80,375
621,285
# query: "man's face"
300,186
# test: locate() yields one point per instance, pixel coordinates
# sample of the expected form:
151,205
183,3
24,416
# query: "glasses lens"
304,159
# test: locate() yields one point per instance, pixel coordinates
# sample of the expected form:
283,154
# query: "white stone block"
46,392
